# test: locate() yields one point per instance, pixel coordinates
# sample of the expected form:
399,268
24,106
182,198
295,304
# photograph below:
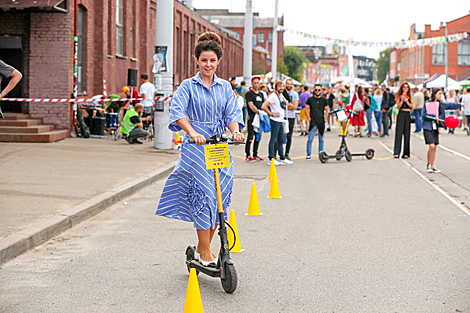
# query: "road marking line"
447,149
439,189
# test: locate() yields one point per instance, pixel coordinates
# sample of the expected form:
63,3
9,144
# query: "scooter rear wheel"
370,153
348,156
231,279
190,252
323,157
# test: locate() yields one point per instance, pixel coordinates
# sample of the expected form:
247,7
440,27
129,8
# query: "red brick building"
430,60
262,34
36,37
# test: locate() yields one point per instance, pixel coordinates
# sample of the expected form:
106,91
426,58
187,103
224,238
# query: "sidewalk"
43,183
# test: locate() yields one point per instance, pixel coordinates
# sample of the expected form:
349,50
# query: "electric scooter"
225,268
343,150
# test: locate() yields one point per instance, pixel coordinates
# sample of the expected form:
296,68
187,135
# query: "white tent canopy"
440,82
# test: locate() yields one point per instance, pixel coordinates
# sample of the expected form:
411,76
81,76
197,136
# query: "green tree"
383,64
294,60
281,66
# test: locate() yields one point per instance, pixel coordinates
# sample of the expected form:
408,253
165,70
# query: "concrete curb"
35,235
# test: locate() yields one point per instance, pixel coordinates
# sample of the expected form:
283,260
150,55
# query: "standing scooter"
225,268
343,150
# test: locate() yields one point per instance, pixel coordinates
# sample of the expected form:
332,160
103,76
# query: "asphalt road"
365,236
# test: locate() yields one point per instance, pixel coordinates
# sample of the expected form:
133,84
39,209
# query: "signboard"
217,156
159,59
421,76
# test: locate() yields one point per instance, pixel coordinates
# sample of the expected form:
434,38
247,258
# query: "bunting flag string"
403,44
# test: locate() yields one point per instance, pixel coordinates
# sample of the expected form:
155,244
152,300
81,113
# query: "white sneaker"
287,162
435,170
276,162
308,158
333,127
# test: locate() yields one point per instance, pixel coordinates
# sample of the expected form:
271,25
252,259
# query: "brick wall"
51,73
189,24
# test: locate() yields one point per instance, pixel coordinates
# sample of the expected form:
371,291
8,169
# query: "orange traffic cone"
233,222
274,190
272,169
193,303
253,205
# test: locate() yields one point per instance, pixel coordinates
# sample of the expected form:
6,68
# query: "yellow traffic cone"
233,222
274,190
178,138
253,205
193,303
272,169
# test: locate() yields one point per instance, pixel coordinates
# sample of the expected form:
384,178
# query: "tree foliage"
294,60
383,64
281,66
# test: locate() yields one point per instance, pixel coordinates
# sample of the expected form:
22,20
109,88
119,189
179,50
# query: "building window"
260,37
270,37
464,52
81,19
438,54
119,27
132,30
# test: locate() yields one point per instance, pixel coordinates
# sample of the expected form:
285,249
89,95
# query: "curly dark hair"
209,41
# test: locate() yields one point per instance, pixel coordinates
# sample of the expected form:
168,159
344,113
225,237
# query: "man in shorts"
303,114
5,72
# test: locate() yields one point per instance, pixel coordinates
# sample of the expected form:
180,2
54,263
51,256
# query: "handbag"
285,125
412,118
358,107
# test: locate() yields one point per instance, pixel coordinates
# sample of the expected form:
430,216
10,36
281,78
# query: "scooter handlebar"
213,140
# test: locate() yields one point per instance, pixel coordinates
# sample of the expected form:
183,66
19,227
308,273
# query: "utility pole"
422,64
248,43
274,48
164,80
447,59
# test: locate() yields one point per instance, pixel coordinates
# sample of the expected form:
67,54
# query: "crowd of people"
373,112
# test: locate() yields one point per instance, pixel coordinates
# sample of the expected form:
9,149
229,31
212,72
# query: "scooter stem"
220,207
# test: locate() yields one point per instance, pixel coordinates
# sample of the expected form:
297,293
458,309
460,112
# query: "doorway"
12,53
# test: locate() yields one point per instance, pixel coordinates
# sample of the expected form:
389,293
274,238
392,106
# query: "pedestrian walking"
294,103
452,98
466,111
255,100
418,103
7,71
378,111
319,111
404,102
386,109
242,92
330,97
370,105
203,106
276,113
303,114
357,120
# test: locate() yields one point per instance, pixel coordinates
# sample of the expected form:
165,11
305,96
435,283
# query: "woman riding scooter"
211,105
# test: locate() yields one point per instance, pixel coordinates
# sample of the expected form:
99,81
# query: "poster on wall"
159,59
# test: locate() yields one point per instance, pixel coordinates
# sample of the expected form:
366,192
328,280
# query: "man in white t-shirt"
147,90
294,101
277,106
466,111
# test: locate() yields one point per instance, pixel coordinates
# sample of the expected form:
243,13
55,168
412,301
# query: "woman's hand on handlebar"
198,138
238,136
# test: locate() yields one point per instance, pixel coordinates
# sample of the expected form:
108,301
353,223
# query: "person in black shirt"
318,108
254,99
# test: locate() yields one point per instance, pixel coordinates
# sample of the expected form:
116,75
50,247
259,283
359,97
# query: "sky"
358,20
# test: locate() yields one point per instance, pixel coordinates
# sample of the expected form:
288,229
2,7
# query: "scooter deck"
211,271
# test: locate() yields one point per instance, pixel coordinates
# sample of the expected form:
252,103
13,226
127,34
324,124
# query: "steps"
21,128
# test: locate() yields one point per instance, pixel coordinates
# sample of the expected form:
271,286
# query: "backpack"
373,104
358,106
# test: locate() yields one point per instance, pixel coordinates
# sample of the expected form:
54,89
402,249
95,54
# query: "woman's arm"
234,129
198,138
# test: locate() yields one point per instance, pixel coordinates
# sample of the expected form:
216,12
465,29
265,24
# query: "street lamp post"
274,49
248,42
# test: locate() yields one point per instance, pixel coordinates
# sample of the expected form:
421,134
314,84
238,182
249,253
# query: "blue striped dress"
189,193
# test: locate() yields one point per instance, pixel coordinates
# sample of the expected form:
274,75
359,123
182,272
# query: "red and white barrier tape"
82,100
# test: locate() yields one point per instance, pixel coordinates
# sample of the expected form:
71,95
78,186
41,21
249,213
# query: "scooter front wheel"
339,155
323,157
348,156
190,252
231,279
370,154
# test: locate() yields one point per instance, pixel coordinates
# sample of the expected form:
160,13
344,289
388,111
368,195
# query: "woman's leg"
360,130
399,129
407,133
432,154
204,243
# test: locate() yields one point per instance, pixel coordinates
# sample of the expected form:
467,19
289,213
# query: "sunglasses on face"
406,87
317,89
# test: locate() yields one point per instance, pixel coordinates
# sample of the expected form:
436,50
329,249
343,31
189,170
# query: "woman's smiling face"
208,63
